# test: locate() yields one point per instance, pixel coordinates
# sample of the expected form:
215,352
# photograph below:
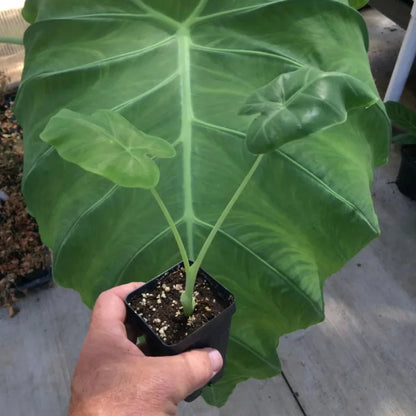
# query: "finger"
190,371
123,290
109,310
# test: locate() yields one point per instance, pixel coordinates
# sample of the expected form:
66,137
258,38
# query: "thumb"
191,370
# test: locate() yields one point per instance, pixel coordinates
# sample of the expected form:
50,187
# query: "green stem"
172,226
187,295
8,39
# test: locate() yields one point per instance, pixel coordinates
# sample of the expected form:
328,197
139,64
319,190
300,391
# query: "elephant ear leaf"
300,103
401,116
107,144
405,118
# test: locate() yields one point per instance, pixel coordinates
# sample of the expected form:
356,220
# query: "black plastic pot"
213,334
35,280
406,179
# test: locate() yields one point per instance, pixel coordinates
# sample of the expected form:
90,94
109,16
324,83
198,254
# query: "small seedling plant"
107,144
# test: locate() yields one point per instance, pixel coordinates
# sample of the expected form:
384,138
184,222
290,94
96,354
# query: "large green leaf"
182,72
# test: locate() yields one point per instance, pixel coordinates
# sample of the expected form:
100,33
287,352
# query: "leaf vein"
255,353
331,191
78,219
92,16
158,16
141,249
218,128
266,263
155,88
111,59
246,52
44,154
234,11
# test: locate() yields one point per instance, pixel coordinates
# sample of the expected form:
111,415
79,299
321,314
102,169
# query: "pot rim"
140,289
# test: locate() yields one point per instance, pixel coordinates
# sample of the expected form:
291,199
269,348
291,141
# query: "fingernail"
216,361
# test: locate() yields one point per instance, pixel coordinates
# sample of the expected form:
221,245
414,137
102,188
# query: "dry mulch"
21,250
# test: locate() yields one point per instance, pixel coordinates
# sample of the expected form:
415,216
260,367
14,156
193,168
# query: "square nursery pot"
213,334
35,280
406,179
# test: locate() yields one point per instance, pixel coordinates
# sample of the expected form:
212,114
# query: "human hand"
114,377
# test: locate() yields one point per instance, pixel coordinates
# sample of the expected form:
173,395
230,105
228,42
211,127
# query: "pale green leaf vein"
331,191
111,59
249,52
216,127
255,353
234,11
150,91
72,228
36,162
98,16
142,249
158,16
196,12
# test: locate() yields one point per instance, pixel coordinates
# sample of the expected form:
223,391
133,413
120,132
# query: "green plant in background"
267,105
405,118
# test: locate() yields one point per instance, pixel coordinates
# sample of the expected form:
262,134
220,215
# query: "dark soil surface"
21,250
162,310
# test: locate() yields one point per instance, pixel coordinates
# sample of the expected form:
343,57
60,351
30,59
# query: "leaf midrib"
184,69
